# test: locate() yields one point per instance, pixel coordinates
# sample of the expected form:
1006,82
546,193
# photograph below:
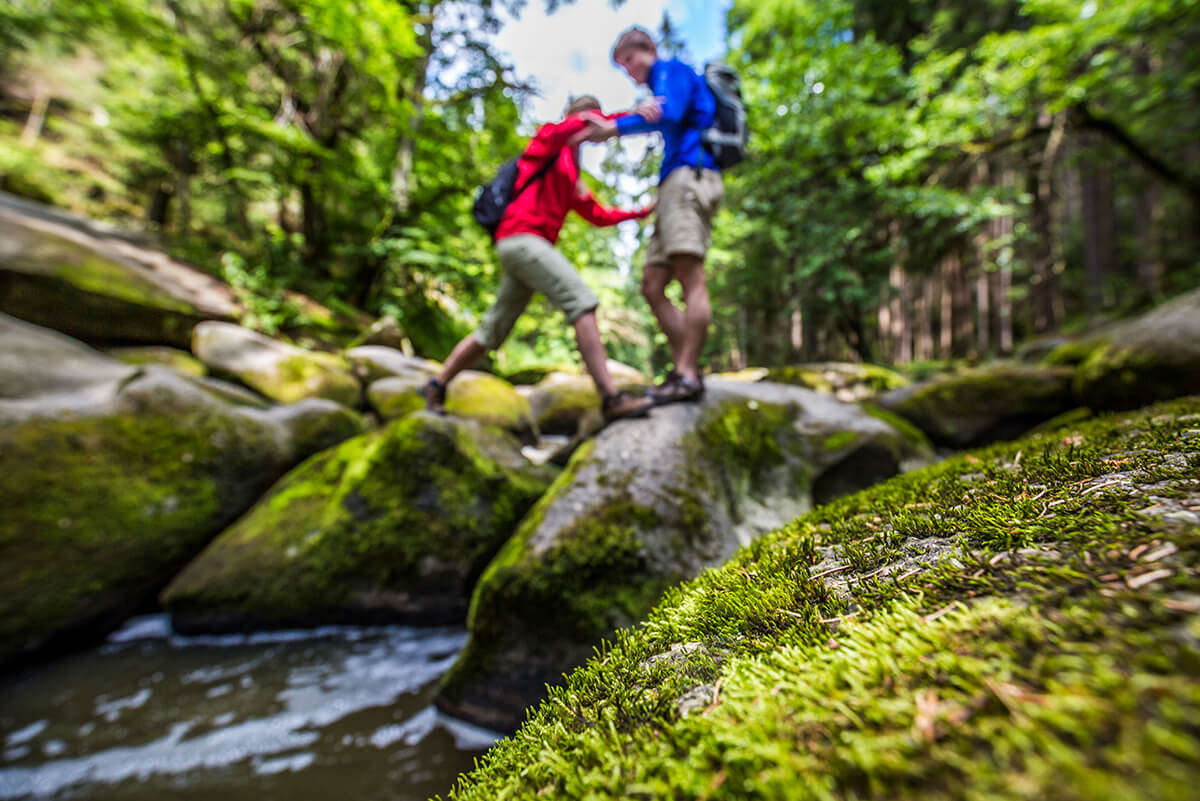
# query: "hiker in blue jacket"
689,192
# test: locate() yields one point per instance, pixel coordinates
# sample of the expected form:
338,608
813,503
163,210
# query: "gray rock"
375,362
49,371
390,527
110,484
1150,358
983,405
397,396
279,371
64,273
646,504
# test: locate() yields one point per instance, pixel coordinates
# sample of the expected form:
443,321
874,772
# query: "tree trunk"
923,346
1097,234
945,310
1150,267
316,238
983,314
1047,261
36,119
160,206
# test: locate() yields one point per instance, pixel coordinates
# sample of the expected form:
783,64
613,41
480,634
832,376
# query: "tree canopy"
927,180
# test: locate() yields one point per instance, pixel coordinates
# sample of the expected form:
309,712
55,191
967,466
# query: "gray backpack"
726,138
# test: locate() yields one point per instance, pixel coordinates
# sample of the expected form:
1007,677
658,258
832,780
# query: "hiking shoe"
676,390
622,404
434,393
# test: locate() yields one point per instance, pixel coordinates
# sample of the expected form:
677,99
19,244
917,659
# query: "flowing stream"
330,713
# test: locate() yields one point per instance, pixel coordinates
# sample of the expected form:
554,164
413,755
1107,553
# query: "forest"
927,181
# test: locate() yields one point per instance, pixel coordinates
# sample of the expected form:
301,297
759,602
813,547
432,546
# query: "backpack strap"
542,170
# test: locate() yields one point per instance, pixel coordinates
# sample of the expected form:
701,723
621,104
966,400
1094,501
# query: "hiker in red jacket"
525,242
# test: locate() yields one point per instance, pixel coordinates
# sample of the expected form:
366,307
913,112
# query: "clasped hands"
599,128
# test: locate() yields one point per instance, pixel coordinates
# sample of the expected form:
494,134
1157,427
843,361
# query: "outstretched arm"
587,207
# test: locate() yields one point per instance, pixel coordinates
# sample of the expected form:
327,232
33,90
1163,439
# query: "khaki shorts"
531,264
687,201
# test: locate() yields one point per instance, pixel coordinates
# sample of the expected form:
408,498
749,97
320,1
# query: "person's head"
582,103
635,53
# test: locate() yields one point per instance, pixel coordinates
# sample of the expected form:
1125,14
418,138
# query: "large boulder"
847,381
67,274
561,400
112,477
386,332
1149,358
397,396
489,399
375,362
983,405
644,505
45,370
178,360
279,371
394,526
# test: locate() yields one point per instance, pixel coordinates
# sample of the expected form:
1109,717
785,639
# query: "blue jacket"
688,109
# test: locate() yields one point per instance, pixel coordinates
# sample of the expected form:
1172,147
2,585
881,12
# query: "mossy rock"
63,273
180,361
277,370
393,526
375,362
44,368
1150,358
105,500
385,332
983,405
847,381
1021,622
529,375
1072,353
560,400
624,376
396,397
491,400
746,374
644,505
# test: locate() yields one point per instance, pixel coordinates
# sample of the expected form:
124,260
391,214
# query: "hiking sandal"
621,404
681,389
434,393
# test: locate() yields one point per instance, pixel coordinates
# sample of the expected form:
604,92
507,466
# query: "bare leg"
689,270
465,353
591,348
670,321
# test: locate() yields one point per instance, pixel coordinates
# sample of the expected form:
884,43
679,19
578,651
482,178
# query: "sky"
567,52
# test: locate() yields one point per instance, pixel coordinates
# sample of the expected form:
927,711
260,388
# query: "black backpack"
726,138
492,198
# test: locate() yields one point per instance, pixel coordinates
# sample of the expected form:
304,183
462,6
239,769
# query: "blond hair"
582,103
634,39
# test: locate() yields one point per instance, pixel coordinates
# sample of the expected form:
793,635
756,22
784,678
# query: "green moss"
1125,377
99,511
309,375
560,405
985,404
488,399
1008,623
839,440
800,377
417,502
1072,354
911,434
746,433
178,360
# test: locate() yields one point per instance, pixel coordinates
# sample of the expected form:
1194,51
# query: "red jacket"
541,209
